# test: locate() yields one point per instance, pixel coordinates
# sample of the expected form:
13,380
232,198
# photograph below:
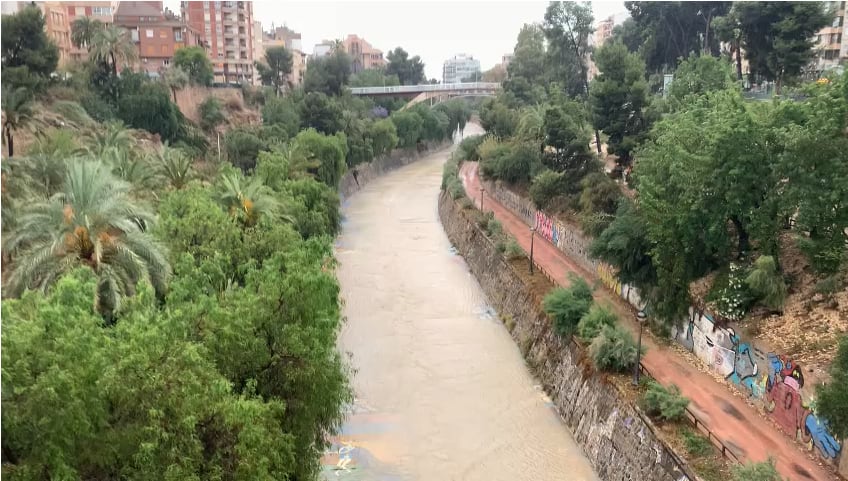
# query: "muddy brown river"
442,392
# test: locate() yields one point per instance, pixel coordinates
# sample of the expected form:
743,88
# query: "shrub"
613,350
485,217
826,254
152,110
383,136
764,471
234,104
210,113
565,306
494,228
592,322
329,149
449,171
468,147
281,112
545,187
696,445
98,108
242,148
513,250
409,127
765,282
73,112
730,294
665,403
456,190
827,286
832,397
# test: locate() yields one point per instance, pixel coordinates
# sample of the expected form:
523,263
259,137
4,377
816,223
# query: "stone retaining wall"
367,172
618,440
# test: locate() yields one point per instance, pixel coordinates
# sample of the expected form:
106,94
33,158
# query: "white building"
459,67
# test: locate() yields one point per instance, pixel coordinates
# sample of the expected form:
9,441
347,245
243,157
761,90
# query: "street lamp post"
482,189
640,317
532,237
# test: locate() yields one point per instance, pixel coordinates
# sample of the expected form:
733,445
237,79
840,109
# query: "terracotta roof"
138,9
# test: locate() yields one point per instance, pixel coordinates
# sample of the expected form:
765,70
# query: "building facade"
322,49
363,55
460,67
102,11
832,41
227,29
157,34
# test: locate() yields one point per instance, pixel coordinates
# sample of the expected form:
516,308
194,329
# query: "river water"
442,392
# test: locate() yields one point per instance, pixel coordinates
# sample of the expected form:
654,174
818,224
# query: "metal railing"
400,89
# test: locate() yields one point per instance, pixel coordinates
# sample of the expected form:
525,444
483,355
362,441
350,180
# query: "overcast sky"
434,30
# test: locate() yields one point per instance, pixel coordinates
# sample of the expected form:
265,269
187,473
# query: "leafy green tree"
328,75
279,62
764,471
329,150
832,397
728,29
495,74
243,148
28,55
409,126
384,136
628,33
83,31
625,245
284,113
210,113
176,79
195,62
565,127
545,187
526,72
567,27
497,118
100,227
320,112
409,71
316,208
112,45
458,114
17,114
360,146
672,30
698,75
150,109
566,306
778,37
373,77
598,202
619,96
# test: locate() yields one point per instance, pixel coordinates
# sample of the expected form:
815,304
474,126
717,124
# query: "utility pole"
481,199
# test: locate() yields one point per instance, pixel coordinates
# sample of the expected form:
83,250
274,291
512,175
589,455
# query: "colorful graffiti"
771,378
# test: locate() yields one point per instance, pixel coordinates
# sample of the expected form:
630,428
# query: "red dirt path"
738,425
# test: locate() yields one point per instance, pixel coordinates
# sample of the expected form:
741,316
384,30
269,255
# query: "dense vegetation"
698,180
169,313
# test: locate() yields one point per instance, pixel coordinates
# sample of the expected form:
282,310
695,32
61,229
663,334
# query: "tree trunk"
739,61
778,84
174,91
114,64
742,234
10,144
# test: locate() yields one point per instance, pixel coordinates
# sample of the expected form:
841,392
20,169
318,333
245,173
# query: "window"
101,10
166,62
148,33
134,34
178,36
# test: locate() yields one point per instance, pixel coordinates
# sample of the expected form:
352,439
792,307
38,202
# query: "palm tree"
83,31
247,199
132,168
174,165
17,113
111,45
337,45
176,79
92,223
113,136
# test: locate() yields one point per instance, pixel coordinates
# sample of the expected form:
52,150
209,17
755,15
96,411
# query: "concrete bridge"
434,93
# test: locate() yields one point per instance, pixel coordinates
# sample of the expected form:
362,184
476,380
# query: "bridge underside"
433,98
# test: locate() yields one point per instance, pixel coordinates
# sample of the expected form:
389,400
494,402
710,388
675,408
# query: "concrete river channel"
442,392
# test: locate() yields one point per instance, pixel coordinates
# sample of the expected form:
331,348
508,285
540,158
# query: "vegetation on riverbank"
170,313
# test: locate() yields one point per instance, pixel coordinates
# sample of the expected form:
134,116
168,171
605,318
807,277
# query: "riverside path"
737,424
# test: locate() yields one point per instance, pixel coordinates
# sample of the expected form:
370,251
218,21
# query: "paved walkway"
739,426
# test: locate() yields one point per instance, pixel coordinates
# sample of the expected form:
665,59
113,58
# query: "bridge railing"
400,89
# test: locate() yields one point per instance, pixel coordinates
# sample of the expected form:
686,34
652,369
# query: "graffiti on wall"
774,379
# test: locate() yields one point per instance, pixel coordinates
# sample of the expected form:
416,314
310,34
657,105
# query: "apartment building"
157,34
322,49
832,41
459,67
290,39
227,29
363,55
